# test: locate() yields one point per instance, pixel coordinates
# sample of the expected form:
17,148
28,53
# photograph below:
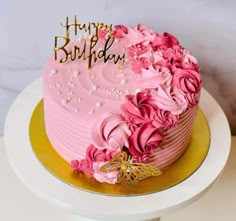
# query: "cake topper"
86,49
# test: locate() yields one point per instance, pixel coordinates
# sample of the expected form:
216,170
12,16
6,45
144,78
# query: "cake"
119,105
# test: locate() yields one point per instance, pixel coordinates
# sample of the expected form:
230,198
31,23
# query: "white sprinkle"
122,74
72,85
107,90
113,89
91,111
104,89
64,101
76,73
50,85
58,92
69,69
98,104
127,91
117,95
138,76
69,83
137,90
68,98
95,87
76,110
53,71
92,76
71,93
122,97
90,92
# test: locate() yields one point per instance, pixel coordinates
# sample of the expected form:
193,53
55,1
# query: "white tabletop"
18,203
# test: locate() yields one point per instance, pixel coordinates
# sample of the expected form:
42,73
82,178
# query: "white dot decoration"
94,87
58,92
64,101
53,72
98,104
76,73
91,111
123,81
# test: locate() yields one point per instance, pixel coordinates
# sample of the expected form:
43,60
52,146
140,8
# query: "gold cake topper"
88,50
130,173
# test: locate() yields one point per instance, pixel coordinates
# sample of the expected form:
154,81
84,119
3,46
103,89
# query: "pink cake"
144,107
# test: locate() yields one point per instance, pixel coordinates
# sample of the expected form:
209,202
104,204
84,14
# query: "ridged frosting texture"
146,109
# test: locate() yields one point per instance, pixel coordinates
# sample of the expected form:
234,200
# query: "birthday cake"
120,103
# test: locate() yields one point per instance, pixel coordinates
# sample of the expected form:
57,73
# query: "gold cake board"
186,165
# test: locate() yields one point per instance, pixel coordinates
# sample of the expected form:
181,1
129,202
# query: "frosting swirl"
110,132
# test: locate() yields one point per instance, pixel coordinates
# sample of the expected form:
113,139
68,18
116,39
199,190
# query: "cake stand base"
78,218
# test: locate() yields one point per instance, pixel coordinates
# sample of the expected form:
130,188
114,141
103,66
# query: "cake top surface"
152,63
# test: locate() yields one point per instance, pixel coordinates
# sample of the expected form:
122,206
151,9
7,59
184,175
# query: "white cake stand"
95,206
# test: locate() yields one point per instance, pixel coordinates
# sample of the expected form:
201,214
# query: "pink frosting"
86,166
94,154
119,31
110,177
155,76
144,140
164,41
170,99
138,109
110,132
147,33
190,83
139,64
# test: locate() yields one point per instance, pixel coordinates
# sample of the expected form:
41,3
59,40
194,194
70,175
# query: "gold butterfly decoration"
130,173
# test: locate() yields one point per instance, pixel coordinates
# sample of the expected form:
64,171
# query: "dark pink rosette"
189,81
97,155
165,119
119,31
164,41
189,62
86,166
138,109
144,140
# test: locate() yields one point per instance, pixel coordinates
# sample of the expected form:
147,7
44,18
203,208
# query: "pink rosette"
170,99
102,33
189,81
119,31
138,109
110,177
146,32
95,154
75,164
138,49
155,76
110,132
139,64
144,140
189,62
86,166
164,41
165,119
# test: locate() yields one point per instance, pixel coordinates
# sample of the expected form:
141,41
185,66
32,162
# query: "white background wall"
206,28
